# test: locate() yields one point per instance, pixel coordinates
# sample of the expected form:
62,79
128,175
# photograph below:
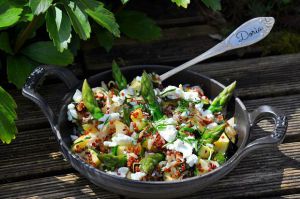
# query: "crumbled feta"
122,171
114,116
192,160
185,148
127,92
117,100
122,139
172,92
208,114
110,117
72,113
199,107
71,106
137,175
191,96
138,78
185,114
211,125
231,122
77,97
169,132
109,144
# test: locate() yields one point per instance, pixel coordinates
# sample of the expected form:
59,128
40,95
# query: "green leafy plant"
48,32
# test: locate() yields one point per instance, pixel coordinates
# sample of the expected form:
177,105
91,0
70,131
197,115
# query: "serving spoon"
247,34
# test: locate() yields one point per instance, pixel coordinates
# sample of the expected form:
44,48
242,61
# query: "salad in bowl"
145,131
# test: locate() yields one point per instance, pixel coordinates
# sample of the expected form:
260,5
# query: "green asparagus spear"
149,163
126,116
209,136
111,162
89,101
118,76
149,96
221,100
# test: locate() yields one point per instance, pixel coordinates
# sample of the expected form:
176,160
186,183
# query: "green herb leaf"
124,1
59,28
213,4
44,52
79,19
8,116
39,6
102,16
183,3
9,13
105,39
18,69
137,25
4,43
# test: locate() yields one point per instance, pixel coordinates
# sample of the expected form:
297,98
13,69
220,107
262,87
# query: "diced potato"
221,145
168,177
136,85
205,152
81,142
231,133
94,157
89,128
137,117
205,166
121,127
121,150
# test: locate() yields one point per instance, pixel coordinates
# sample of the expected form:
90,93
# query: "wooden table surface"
32,166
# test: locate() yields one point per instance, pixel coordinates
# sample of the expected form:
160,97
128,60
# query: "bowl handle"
272,140
38,74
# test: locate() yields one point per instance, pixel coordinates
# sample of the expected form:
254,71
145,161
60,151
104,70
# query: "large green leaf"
18,69
39,6
124,1
213,4
8,116
59,28
78,19
102,16
44,52
4,43
137,25
105,39
183,3
9,13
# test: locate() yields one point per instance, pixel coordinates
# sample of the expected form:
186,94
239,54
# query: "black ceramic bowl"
62,128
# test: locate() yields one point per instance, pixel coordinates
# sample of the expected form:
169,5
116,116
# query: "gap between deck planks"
254,177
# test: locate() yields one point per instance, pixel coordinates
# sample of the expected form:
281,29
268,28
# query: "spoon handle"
247,34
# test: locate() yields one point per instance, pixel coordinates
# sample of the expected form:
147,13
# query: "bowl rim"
228,163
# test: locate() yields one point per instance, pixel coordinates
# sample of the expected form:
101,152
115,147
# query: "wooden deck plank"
263,173
35,152
258,77
63,186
